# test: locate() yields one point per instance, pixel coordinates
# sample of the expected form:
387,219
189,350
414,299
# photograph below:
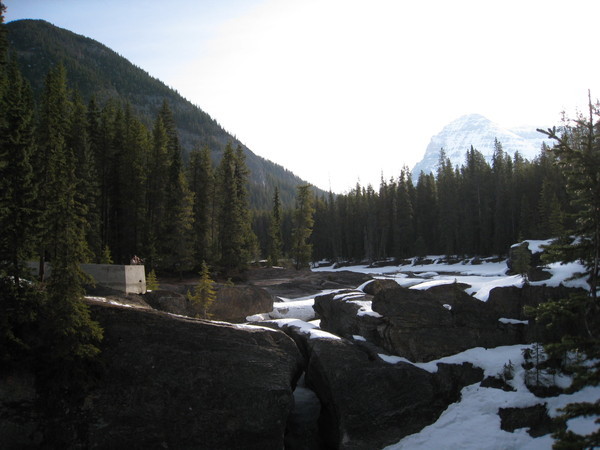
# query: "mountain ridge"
478,131
97,71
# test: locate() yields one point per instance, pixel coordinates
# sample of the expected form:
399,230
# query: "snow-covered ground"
482,276
473,422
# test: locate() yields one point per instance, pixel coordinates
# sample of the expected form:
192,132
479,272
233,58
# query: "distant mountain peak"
480,132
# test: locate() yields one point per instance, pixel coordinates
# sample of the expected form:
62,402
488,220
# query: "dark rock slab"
339,315
367,403
233,303
191,384
423,325
172,382
312,283
509,301
535,418
378,285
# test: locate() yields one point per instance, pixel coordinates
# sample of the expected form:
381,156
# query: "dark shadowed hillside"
96,70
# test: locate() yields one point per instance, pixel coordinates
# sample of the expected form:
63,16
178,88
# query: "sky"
346,91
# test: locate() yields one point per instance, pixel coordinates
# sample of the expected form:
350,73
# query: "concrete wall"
128,279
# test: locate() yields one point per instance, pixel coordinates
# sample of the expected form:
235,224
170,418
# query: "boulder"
423,325
233,303
535,418
341,315
168,301
509,301
172,382
376,286
309,283
367,403
418,325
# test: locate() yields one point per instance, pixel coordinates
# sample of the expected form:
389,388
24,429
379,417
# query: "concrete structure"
130,279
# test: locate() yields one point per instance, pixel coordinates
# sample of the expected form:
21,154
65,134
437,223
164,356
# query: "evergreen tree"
235,234
303,225
274,244
522,261
503,213
156,181
176,249
448,220
577,151
132,179
87,177
550,213
71,335
204,294
404,232
17,188
426,212
53,164
152,281
476,214
201,182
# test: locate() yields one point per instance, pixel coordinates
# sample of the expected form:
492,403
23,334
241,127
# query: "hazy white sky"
341,90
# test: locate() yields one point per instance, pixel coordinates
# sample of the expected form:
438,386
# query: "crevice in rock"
302,431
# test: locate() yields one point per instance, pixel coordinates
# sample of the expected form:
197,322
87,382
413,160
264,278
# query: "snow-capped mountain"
474,129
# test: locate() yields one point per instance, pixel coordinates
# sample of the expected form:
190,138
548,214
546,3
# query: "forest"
478,209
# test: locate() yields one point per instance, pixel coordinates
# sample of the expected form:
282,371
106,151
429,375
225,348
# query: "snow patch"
513,321
313,331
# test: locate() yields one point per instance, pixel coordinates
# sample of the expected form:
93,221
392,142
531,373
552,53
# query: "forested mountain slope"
95,70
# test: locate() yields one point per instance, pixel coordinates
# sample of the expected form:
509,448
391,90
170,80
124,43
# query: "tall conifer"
201,181
274,245
303,225
17,188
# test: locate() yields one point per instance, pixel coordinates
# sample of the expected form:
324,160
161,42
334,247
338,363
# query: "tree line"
480,208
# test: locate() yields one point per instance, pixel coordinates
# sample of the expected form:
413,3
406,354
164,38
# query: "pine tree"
152,281
426,212
176,249
70,333
476,214
53,165
201,182
303,225
87,176
274,244
550,213
156,181
522,261
132,179
404,232
577,151
204,294
235,235
448,220
503,213
17,188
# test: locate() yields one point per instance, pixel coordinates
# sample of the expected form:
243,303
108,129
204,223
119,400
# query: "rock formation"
419,325
171,382
366,402
233,303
